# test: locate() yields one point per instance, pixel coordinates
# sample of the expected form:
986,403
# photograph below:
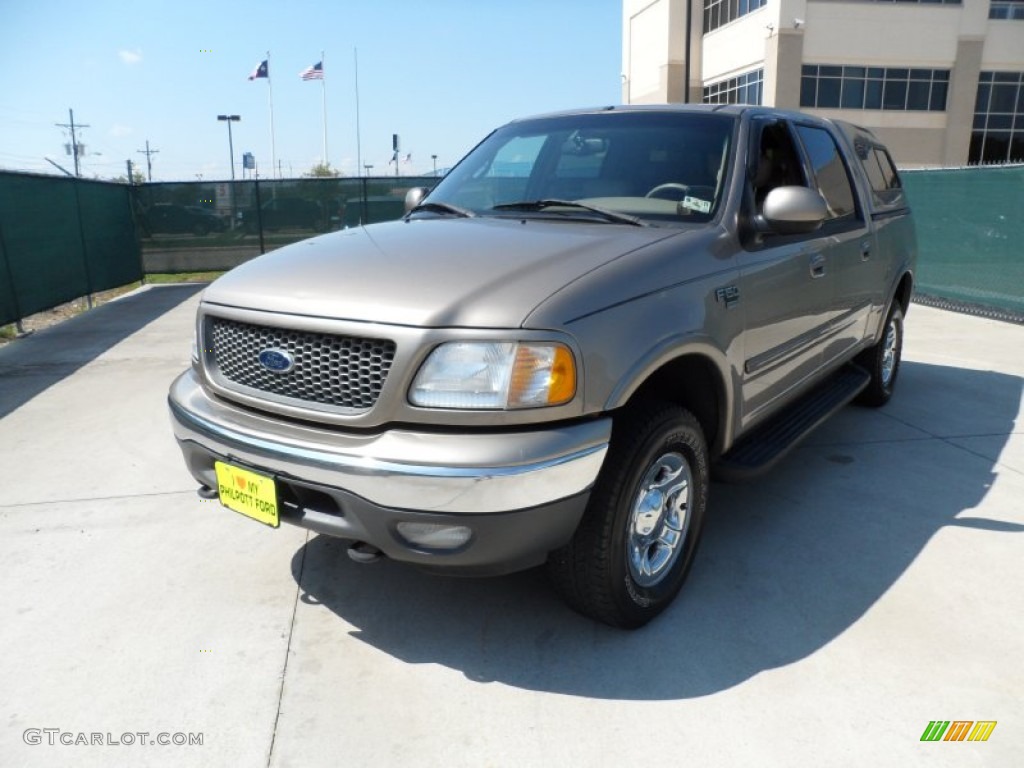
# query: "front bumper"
520,492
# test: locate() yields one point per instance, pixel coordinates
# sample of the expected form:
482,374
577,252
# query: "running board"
758,451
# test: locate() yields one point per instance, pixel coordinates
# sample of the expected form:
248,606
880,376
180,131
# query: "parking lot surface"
869,585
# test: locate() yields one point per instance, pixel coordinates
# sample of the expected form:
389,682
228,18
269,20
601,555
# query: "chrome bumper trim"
522,469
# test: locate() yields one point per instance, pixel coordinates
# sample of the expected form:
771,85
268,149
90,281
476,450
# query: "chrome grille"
342,371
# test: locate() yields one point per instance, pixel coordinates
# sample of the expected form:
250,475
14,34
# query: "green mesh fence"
970,231
62,238
201,226
110,241
9,309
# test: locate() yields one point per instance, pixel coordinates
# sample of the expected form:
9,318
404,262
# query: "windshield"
658,167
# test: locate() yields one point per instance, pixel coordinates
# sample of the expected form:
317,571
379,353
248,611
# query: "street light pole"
231,149
231,145
434,158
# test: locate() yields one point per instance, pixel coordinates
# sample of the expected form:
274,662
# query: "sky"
440,73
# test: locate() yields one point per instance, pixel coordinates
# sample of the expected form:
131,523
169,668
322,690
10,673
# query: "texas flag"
263,70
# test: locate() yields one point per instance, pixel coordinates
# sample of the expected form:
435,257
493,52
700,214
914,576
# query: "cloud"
130,57
119,131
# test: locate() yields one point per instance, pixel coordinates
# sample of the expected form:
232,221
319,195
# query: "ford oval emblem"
276,360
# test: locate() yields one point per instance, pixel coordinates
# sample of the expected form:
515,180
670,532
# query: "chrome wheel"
889,348
659,519
636,541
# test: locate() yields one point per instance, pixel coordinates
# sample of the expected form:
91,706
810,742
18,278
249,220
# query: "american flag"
316,72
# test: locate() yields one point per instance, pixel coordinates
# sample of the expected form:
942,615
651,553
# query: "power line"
75,146
149,163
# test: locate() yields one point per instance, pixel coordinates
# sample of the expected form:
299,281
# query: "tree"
322,171
137,177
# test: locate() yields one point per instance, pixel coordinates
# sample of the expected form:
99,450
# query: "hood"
482,273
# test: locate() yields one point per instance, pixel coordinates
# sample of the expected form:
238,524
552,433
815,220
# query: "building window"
720,12
1006,9
888,88
998,135
744,89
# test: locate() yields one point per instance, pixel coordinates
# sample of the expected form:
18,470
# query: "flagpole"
273,147
323,94
359,151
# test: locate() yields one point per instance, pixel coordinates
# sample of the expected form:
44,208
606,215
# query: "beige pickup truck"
548,358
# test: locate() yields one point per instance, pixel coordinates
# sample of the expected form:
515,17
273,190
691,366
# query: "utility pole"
74,141
131,178
149,162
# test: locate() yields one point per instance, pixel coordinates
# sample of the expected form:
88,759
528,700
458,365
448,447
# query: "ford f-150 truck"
555,349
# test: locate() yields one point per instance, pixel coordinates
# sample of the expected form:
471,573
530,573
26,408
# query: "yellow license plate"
252,494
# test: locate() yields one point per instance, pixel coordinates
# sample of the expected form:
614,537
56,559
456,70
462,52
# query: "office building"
940,81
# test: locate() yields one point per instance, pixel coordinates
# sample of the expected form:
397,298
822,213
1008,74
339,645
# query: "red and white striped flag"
316,72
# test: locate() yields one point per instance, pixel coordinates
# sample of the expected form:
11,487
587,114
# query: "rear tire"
882,361
634,546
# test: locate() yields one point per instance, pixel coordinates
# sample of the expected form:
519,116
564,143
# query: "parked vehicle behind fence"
167,218
282,213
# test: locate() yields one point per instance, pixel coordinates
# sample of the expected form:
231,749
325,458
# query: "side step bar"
758,451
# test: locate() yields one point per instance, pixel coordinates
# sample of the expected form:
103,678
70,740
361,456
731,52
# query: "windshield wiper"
439,207
539,205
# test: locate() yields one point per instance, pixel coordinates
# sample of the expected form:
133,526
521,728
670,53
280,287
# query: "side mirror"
414,197
794,210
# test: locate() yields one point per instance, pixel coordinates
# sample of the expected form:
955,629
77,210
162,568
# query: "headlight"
495,375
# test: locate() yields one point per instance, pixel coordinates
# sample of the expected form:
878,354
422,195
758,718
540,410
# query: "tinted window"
853,93
828,92
581,157
517,157
918,95
658,166
886,188
833,180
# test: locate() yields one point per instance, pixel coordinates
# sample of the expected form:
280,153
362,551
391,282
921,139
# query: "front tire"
882,361
635,544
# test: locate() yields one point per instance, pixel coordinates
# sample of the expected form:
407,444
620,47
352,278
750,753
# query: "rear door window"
886,188
829,170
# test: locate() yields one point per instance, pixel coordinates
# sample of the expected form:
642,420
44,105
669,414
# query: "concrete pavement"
869,585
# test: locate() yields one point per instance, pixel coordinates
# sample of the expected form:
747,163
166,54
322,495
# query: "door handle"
818,265
865,250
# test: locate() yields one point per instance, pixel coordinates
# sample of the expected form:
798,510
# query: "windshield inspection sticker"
696,204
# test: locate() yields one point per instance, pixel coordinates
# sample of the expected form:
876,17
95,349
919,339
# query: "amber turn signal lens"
542,374
562,388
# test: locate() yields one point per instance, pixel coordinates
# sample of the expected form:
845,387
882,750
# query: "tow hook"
361,552
206,492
